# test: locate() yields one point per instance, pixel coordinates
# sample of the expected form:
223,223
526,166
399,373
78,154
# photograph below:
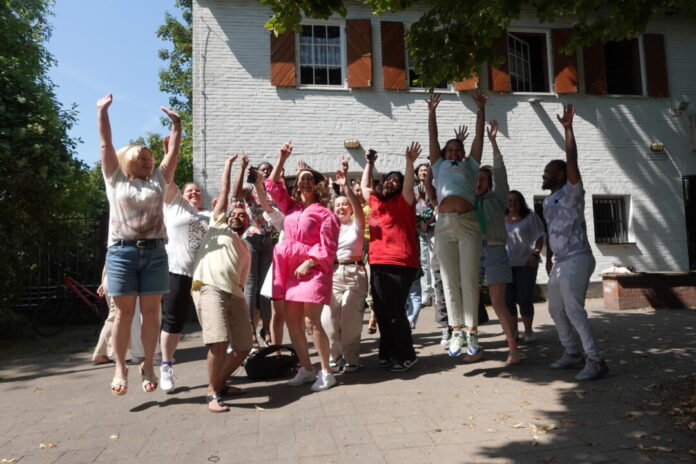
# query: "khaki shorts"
223,317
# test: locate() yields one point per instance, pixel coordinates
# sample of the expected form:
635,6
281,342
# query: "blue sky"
104,46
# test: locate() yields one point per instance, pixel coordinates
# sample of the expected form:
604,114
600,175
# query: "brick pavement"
442,411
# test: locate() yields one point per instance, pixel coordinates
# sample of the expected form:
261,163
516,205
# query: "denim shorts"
137,271
495,264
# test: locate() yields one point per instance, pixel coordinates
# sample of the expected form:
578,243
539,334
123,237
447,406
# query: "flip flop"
216,397
229,390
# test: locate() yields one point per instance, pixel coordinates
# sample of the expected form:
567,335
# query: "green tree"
177,80
43,183
452,39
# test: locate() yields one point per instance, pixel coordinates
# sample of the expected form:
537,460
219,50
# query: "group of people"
310,258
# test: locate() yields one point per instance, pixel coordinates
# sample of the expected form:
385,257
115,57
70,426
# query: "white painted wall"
236,108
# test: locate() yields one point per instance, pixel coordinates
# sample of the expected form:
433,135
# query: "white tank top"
350,241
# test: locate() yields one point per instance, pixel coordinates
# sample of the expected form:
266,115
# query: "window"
321,57
623,68
413,83
610,219
528,61
539,208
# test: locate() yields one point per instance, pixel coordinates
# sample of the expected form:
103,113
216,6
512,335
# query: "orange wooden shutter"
359,40
393,55
656,65
499,78
565,67
595,70
283,59
467,84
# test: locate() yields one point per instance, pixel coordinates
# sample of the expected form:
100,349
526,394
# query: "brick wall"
236,108
650,290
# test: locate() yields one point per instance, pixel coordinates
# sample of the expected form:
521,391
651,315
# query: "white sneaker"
456,343
325,380
302,376
166,378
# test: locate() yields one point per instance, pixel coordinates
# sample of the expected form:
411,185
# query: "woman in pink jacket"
303,264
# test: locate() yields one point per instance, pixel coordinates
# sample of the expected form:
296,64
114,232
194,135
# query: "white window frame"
643,74
549,58
344,60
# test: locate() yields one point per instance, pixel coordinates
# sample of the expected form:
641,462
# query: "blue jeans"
413,304
137,271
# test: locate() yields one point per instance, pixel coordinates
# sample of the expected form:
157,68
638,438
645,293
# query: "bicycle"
55,313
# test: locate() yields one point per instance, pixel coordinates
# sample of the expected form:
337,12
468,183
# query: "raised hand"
479,98
286,150
173,115
301,166
344,165
433,101
462,133
492,130
245,161
341,178
413,152
104,102
165,144
567,119
232,159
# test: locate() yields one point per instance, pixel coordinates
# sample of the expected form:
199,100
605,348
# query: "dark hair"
322,194
488,171
264,164
401,181
524,209
415,171
444,149
560,164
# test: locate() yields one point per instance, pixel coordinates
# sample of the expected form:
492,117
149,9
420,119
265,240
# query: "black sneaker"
403,366
385,363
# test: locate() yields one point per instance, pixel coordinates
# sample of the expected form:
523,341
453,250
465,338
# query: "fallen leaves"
662,449
8,460
258,408
114,436
47,445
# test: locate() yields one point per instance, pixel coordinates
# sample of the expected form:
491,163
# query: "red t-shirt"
393,232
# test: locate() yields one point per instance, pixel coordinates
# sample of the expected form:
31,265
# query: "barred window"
610,219
321,61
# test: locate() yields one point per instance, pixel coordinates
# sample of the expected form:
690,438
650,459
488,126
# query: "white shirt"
350,241
135,206
186,227
521,238
564,212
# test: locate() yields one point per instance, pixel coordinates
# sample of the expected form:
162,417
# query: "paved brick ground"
442,411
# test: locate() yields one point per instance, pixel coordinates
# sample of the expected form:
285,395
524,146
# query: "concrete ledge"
660,290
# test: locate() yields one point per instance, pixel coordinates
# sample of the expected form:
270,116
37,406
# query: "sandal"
151,380
229,390
216,397
472,358
100,359
119,386
266,336
514,358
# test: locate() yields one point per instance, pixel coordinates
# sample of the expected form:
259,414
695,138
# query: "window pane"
306,75
334,56
320,77
305,54
306,34
335,76
320,35
623,67
333,35
320,57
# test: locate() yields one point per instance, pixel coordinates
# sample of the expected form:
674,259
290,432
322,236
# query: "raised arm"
109,161
283,156
261,195
171,156
366,181
573,171
412,154
433,143
477,144
239,180
172,188
430,188
342,180
221,205
501,188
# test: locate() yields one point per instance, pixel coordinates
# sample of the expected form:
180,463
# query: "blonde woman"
136,260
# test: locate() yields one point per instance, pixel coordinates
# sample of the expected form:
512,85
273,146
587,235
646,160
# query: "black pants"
261,249
390,285
441,307
177,304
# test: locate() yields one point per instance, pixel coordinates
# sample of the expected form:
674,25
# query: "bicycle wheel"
52,316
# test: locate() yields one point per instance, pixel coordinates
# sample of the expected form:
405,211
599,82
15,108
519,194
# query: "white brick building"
237,107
